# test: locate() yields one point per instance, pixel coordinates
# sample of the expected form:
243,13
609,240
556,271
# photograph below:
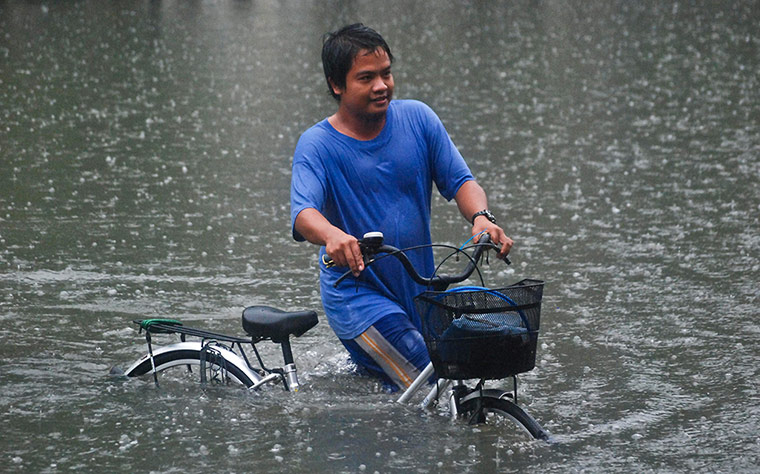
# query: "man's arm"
342,248
472,199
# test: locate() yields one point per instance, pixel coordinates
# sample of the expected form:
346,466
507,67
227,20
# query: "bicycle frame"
217,351
440,386
434,393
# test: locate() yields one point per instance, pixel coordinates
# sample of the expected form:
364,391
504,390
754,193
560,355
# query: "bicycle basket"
475,332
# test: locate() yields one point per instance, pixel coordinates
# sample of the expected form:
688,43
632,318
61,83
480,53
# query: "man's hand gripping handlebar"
372,244
367,244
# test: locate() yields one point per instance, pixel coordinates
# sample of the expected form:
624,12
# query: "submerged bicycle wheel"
488,408
220,361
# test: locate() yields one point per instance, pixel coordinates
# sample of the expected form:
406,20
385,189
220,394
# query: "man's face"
369,85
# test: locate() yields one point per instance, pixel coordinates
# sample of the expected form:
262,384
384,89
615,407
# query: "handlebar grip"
487,239
370,241
327,261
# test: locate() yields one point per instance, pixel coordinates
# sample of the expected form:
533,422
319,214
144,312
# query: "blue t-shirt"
383,184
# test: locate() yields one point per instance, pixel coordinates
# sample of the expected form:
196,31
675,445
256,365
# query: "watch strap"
485,212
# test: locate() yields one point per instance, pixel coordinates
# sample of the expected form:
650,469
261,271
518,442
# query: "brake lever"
342,277
367,262
505,259
496,248
329,263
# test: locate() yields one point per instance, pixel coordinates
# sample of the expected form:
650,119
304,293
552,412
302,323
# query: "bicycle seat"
271,323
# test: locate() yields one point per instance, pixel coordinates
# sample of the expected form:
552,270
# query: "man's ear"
336,90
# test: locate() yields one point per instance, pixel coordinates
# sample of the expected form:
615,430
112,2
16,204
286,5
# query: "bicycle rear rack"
208,339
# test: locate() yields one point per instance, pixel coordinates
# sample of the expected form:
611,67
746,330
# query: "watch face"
485,213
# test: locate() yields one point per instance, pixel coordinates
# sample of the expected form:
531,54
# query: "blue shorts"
392,349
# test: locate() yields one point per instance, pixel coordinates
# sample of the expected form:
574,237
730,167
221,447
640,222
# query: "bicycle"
472,333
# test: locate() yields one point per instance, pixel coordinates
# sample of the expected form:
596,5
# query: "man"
371,167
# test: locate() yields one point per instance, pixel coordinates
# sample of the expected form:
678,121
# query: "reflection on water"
145,153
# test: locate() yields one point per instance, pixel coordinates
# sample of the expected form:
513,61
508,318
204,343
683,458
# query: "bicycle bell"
373,239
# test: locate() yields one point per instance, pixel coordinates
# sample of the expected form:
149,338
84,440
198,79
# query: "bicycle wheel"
217,359
487,406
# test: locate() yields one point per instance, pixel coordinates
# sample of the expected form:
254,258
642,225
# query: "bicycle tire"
190,353
491,404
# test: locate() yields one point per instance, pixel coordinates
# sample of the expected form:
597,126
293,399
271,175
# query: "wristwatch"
484,212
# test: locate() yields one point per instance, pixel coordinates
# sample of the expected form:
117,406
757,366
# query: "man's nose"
379,85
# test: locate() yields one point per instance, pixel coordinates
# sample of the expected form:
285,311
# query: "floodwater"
145,162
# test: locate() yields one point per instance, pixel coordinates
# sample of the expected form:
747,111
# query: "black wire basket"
482,333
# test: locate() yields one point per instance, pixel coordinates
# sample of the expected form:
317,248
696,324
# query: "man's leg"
391,349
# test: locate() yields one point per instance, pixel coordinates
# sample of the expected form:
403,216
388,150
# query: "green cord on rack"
148,324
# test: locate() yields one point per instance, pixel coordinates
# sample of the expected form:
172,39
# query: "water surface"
145,151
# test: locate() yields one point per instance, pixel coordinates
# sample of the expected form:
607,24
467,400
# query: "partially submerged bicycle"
472,334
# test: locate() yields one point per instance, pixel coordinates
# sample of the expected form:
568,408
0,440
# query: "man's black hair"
340,47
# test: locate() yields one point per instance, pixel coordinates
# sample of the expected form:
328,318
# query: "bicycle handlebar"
372,244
